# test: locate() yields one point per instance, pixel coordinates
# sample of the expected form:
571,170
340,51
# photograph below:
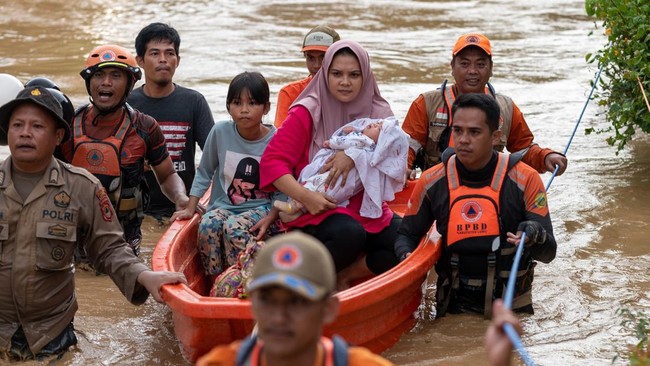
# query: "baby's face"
372,130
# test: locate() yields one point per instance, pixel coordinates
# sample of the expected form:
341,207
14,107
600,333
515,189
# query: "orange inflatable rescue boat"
373,314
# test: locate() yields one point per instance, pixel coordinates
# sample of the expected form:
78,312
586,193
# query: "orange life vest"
474,232
474,226
101,157
438,105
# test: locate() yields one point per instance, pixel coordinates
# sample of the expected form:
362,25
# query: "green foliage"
626,63
638,324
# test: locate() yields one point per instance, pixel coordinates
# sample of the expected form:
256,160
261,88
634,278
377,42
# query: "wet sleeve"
107,249
416,125
203,121
521,137
537,210
419,216
287,148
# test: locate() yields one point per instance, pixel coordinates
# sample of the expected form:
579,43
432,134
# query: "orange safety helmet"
111,56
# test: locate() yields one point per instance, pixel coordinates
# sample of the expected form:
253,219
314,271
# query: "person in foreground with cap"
45,206
428,120
292,297
314,46
114,141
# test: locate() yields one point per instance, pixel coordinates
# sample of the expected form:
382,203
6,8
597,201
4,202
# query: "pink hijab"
327,112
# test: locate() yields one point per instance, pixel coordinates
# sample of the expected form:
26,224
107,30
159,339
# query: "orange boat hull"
373,314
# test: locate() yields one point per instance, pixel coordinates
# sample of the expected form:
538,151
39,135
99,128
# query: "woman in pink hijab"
343,90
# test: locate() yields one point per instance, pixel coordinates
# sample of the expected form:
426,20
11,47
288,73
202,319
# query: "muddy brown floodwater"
599,206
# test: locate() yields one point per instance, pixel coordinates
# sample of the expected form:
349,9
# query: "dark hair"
345,51
484,102
254,82
156,32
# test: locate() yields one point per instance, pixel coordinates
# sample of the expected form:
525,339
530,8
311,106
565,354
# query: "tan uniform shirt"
37,241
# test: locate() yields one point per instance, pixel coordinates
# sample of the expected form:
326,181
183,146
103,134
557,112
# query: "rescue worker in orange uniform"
114,141
314,46
292,299
45,206
481,202
428,121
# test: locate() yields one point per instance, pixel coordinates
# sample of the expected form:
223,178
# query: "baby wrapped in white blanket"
379,149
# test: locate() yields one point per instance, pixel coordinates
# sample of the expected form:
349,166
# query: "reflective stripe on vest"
438,109
474,224
450,98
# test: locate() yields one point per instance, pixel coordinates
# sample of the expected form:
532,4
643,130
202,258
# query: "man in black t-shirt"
183,114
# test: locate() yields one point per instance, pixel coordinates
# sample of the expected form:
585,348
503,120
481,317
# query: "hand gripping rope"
510,288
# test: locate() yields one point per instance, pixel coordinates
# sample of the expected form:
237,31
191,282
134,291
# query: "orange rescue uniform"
287,96
419,125
226,355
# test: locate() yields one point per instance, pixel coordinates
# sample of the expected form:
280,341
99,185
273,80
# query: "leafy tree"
625,63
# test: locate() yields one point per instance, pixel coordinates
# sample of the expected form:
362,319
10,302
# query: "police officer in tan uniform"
45,205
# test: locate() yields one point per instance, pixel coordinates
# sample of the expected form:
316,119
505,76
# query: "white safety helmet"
9,88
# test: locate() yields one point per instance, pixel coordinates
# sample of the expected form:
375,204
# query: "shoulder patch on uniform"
54,175
105,205
540,200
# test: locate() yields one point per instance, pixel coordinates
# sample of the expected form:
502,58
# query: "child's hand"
184,214
326,144
264,224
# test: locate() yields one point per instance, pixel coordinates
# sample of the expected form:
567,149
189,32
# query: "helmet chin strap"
107,111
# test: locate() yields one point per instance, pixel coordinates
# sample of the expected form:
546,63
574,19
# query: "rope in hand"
510,288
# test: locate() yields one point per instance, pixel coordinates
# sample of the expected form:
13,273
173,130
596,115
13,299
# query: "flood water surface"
598,206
